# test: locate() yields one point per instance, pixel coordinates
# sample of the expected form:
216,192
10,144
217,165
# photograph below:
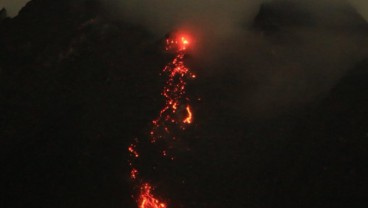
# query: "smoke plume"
276,54
216,15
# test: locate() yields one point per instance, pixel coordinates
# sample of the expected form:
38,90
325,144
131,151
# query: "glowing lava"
174,116
133,174
179,43
132,150
147,200
189,118
174,92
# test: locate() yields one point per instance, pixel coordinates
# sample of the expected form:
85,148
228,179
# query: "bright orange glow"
179,43
170,118
189,118
147,200
174,91
184,41
133,173
132,150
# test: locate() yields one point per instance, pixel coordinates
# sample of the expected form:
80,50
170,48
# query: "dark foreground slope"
76,86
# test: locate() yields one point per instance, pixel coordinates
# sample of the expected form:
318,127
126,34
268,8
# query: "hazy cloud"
270,73
13,6
361,6
164,15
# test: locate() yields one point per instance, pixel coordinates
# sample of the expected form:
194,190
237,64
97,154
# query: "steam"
217,16
270,73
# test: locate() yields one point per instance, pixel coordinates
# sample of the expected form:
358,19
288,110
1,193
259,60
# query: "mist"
217,16
13,6
312,46
297,62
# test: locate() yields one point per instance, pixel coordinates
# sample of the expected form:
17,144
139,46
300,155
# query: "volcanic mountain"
78,84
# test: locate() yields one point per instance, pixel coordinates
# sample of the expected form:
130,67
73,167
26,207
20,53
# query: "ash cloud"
266,56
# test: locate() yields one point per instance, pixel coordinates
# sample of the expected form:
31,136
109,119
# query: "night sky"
280,103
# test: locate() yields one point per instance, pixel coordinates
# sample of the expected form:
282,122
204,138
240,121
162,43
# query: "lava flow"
147,200
175,116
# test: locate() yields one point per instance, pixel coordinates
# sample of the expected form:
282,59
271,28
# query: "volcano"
285,125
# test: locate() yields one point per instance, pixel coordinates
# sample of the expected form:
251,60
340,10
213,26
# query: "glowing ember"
147,200
174,92
174,115
132,150
188,119
180,43
133,173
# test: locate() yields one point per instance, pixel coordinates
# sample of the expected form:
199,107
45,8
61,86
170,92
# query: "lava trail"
174,117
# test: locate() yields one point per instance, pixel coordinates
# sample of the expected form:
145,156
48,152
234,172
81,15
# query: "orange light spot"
184,41
189,118
169,120
134,173
132,150
147,200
